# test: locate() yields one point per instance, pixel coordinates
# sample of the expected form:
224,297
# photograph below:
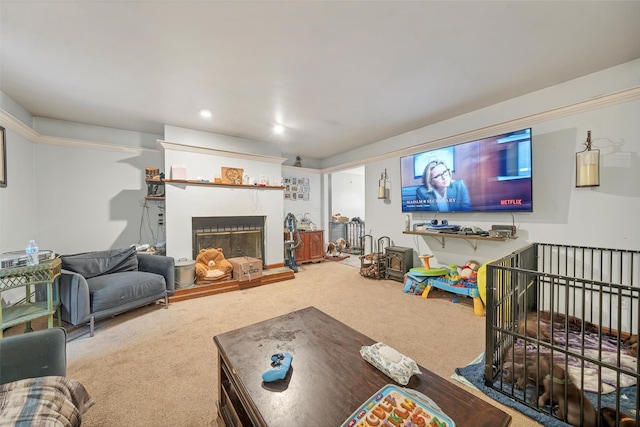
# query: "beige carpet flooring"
157,367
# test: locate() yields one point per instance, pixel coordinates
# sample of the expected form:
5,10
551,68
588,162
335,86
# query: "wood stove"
399,262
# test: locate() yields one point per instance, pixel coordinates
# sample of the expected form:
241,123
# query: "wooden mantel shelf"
214,184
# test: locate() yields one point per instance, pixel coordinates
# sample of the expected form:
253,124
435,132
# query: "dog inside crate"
562,332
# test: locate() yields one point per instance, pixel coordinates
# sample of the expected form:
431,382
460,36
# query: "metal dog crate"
568,293
337,230
351,231
354,232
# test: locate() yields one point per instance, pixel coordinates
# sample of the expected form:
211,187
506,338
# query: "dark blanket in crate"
592,376
587,343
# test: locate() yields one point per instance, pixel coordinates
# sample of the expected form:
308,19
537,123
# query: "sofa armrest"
33,354
159,264
74,298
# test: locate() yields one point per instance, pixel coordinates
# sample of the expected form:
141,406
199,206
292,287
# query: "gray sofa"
100,284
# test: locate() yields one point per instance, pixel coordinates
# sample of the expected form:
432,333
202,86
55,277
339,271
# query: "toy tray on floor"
397,405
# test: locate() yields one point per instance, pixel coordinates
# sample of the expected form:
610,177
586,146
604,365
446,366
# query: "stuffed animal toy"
469,270
211,266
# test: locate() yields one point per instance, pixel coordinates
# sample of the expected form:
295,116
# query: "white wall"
89,198
18,199
348,194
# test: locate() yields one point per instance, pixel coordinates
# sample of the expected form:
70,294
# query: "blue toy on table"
280,364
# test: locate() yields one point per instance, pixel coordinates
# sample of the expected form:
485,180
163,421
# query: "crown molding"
8,121
614,98
166,145
298,169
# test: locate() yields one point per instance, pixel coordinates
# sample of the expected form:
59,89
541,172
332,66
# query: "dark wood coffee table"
328,379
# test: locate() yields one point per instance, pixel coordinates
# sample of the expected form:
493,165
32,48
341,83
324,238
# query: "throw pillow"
97,263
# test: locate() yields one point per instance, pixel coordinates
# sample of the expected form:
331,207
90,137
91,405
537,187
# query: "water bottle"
32,253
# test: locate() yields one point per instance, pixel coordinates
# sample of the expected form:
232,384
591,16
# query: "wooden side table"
32,278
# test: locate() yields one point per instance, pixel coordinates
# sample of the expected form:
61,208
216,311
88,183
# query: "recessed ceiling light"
278,128
205,113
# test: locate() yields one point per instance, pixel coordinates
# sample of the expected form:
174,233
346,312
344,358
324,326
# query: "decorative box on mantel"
399,262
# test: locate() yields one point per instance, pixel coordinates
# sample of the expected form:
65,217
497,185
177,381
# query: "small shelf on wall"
470,239
155,189
215,184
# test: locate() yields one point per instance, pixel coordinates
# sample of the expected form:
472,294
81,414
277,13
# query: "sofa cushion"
120,289
92,264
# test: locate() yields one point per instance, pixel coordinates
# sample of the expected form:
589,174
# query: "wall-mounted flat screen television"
488,175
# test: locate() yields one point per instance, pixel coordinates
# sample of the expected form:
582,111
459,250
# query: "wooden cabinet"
311,247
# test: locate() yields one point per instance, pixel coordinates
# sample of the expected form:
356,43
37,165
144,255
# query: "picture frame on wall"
297,188
3,158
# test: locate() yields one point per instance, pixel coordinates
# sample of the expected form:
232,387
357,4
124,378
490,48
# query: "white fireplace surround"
184,201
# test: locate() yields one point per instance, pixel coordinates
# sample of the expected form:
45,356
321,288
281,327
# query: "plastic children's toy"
280,364
427,271
447,279
395,406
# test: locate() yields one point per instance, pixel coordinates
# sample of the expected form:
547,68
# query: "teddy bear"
211,266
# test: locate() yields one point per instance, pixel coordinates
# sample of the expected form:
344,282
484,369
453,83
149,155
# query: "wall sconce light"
383,192
588,165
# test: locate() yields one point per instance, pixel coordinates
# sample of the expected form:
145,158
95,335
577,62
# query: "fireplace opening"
238,236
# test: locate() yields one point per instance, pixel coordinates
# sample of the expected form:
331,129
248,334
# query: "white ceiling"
337,75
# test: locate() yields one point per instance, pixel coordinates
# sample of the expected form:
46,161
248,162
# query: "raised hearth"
271,275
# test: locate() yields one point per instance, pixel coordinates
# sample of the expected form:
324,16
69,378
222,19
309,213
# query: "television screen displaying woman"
440,191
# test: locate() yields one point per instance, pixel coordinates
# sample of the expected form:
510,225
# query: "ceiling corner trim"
8,121
166,145
594,103
300,169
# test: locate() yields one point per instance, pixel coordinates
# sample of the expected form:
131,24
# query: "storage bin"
185,273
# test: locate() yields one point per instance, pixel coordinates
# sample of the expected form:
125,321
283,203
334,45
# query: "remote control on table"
280,364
